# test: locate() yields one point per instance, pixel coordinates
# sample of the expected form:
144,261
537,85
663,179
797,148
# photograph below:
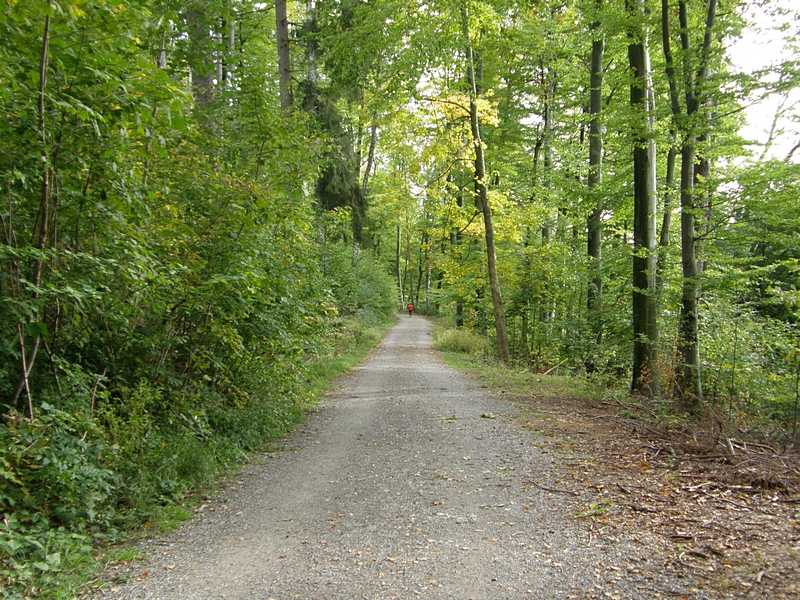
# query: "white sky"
757,49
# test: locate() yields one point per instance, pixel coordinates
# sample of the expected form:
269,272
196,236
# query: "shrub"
462,340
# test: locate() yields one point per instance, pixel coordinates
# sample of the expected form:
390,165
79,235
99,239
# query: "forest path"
409,480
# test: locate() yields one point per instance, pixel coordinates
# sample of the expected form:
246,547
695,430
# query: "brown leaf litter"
718,510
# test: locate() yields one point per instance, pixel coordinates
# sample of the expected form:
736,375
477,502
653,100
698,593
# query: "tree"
284,59
645,324
688,121
482,196
594,224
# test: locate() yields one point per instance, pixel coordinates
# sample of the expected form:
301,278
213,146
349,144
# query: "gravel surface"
408,480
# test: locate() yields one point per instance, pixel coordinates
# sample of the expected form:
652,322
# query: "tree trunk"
373,138
689,377
594,180
310,93
202,64
284,64
523,337
399,271
689,384
44,221
409,272
645,323
483,196
666,219
547,228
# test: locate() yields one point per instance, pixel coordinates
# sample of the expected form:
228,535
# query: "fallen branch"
547,489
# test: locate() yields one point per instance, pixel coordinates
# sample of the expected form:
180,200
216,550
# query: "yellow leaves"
487,110
77,11
457,106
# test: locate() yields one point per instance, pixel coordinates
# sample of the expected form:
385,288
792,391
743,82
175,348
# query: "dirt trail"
409,480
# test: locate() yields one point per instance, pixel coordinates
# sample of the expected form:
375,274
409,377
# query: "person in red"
410,309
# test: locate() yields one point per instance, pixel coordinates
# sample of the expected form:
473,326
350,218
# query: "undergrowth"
77,482
462,341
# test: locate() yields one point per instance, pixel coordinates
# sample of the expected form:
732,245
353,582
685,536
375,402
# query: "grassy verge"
469,352
520,382
351,346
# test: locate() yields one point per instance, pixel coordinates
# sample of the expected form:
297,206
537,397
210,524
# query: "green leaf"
36,330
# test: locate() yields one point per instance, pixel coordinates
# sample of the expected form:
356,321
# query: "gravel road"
409,480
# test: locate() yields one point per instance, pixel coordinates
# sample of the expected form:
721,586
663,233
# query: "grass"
521,382
351,347
462,341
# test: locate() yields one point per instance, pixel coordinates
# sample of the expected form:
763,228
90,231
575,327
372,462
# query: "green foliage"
462,340
56,492
358,284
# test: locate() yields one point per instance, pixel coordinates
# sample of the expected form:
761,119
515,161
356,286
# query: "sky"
758,49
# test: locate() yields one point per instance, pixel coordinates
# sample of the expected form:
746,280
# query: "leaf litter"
723,511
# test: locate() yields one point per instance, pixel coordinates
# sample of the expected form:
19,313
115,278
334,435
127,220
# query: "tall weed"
462,340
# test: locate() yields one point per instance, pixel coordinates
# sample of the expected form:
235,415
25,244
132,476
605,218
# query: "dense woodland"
202,199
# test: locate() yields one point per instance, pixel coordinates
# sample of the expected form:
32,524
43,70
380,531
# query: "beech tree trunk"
202,61
645,322
483,196
695,74
284,64
594,224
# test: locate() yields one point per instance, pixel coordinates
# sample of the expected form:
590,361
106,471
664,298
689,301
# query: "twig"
547,489
94,391
25,370
747,508
551,368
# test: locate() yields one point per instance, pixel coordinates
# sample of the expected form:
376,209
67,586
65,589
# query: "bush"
360,286
462,340
55,494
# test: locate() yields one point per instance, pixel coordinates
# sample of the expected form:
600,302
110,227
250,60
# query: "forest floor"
413,480
719,511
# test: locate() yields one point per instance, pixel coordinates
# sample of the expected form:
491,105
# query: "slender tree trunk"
310,98
284,64
409,272
399,270
455,240
547,228
666,219
594,223
373,138
702,173
44,221
688,343
689,377
523,337
428,286
645,323
482,194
